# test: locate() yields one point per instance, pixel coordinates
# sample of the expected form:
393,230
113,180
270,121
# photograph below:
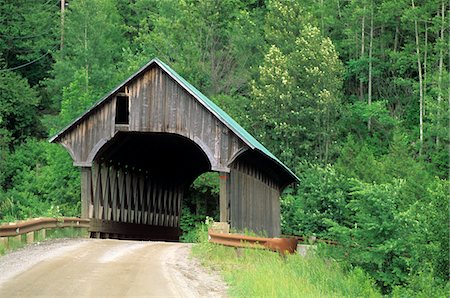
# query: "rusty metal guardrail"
280,245
36,224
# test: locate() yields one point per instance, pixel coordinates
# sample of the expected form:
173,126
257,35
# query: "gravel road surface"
106,268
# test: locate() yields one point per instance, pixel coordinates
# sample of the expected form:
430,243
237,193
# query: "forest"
354,96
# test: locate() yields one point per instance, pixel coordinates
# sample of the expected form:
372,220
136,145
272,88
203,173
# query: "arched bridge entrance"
142,144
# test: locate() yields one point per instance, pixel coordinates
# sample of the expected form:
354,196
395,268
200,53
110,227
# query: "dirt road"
106,268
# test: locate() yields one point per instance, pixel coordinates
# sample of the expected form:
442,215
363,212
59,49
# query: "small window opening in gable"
122,110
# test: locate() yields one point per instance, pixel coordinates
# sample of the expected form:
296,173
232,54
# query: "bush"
321,196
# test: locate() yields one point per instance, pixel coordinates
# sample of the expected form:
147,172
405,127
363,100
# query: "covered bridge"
153,135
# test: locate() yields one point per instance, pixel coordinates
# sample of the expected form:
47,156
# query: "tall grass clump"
261,273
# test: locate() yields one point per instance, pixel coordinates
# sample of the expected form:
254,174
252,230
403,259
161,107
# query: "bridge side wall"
254,200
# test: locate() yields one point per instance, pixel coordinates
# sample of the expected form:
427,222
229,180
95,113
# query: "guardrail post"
30,237
42,234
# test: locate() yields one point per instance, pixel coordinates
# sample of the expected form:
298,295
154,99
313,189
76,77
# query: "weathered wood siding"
157,104
114,194
254,200
160,104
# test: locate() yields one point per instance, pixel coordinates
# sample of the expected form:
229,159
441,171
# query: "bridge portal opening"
137,183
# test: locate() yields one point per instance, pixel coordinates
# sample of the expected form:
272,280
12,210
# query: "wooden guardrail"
36,224
281,245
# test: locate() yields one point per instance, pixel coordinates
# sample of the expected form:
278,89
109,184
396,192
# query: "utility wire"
26,64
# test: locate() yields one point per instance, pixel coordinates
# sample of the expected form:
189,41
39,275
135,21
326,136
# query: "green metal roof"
211,106
221,114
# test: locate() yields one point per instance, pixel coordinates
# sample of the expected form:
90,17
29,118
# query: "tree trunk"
419,68
361,87
441,62
397,33
425,58
369,91
63,6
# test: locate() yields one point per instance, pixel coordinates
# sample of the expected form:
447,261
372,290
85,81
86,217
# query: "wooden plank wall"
128,196
160,104
89,133
254,200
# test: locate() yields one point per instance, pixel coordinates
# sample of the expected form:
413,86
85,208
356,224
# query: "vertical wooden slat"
158,213
114,193
128,196
122,194
97,192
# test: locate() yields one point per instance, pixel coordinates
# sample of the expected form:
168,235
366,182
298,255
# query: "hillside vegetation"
352,95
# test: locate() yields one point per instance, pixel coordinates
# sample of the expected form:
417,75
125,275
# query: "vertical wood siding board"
181,110
217,140
143,102
172,103
241,185
154,102
188,117
237,198
91,190
162,93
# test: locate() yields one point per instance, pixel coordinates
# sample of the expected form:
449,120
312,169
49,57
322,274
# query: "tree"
296,98
28,33
92,52
19,118
213,44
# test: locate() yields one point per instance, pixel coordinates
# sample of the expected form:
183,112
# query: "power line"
26,64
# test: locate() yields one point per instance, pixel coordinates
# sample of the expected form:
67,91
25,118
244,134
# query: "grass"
15,243
261,273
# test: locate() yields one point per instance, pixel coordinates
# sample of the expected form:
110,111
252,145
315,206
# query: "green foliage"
296,98
379,190
18,110
321,196
89,60
200,203
39,181
260,273
28,32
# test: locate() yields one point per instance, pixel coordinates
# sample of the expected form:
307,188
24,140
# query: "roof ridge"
226,119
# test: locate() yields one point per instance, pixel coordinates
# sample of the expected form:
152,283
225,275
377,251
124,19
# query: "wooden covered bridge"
141,145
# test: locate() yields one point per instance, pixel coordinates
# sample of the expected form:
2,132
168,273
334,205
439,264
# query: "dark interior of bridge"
168,158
